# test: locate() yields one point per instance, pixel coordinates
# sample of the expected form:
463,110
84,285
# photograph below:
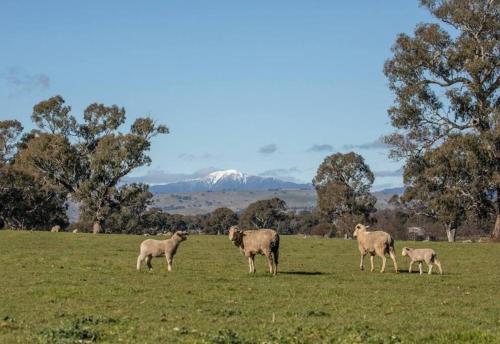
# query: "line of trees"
139,216
31,200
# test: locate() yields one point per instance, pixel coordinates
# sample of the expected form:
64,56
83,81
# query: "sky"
265,87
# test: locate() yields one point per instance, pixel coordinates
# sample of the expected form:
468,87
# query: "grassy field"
65,288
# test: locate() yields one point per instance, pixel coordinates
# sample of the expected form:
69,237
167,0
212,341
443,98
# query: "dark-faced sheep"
375,243
156,248
422,255
261,241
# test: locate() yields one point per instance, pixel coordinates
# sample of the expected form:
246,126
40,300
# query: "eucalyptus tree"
220,220
268,213
87,159
446,185
343,183
26,200
446,78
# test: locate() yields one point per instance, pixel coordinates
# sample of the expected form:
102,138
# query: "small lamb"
156,248
422,254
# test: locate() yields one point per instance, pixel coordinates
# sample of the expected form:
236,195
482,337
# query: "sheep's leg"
393,257
270,263
383,263
420,267
411,263
148,262
361,267
438,263
140,258
430,265
275,256
170,260
371,262
253,264
250,265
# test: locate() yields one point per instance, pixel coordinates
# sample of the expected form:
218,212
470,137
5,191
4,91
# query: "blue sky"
265,87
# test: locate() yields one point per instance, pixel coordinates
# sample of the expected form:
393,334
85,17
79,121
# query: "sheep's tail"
434,257
275,247
389,246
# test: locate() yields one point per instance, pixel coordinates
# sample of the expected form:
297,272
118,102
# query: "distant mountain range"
235,190
392,191
227,180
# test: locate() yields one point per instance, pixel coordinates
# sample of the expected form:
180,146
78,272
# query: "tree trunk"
97,227
451,233
495,235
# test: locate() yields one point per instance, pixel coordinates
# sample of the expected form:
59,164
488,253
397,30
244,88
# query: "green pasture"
71,288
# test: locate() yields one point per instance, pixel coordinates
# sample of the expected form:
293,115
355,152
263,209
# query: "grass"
74,288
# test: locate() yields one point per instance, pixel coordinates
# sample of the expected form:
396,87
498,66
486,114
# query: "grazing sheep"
422,255
375,243
75,230
156,248
55,229
262,241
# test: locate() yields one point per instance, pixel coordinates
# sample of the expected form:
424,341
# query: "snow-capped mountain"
227,180
218,176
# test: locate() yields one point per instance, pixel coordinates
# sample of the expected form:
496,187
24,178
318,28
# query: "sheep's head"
235,235
405,251
181,234
359,228
233,232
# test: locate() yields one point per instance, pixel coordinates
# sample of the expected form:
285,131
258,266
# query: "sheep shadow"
405,271
304,273
416,272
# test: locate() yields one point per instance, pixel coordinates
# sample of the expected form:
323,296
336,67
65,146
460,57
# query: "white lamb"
422,255
156,248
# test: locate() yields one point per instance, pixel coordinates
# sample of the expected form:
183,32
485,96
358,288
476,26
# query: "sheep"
156,248
420,255
55,229
75,230
262,241
375,243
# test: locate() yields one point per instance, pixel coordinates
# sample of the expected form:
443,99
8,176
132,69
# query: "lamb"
262,241
156,248
420,255
55,229
375,243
